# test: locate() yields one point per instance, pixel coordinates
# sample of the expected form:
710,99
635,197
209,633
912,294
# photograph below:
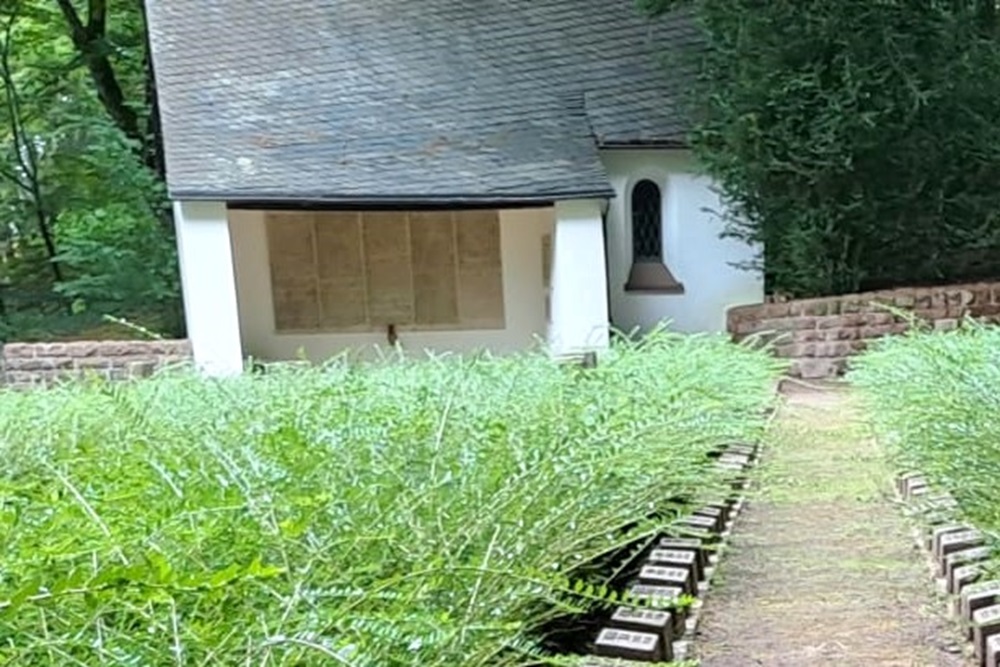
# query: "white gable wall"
521,233
692,249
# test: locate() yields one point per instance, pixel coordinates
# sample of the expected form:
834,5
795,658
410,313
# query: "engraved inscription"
671,556
658,573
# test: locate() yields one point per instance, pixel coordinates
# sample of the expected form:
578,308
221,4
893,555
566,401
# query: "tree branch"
88,40
25,150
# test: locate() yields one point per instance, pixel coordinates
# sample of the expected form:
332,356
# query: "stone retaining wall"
819,335
34,364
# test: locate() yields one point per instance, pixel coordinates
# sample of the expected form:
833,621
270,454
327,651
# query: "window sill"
652,278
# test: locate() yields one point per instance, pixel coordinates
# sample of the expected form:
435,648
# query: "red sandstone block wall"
35,364
820,335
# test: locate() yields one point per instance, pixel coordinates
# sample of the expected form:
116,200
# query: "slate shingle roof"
407,100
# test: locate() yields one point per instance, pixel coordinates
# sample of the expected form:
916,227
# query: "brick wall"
34,364
819,335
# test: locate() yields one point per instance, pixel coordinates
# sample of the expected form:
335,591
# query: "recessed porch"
287,283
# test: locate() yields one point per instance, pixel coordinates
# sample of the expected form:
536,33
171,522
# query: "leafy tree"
87,230
857,141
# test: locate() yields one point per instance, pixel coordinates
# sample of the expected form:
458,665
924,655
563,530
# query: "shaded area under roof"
407,100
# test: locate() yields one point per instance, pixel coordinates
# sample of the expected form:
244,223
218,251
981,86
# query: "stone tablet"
725,508
963,576
975,597
914,482
658,575
953,542
903,480
993,651
939,501
692,544
713,513
985,624
696,521
678,558
655,596
647,620
642,646
964,557
934,540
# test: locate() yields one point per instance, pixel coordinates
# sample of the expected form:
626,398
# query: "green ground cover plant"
431,512
934,399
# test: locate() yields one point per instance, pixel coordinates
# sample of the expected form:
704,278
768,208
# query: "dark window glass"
647,222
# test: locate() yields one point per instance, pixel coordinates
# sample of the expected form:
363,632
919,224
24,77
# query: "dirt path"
823,569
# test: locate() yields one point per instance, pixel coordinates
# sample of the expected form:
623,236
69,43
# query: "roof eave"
271,200
672,144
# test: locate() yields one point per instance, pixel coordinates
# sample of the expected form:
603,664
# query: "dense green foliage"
87,232
858,141
404,513
934,400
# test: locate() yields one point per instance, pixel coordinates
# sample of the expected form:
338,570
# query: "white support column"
209,284
580,320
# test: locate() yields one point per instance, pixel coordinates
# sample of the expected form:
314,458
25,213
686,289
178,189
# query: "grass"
433,512
934,402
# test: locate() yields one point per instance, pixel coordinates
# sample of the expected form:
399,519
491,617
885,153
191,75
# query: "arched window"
647,222
649,273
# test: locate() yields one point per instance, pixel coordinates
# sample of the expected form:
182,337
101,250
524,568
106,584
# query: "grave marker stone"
642,646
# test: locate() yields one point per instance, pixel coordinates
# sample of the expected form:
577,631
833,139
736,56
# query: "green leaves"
414,512
86,219
933,400
838,130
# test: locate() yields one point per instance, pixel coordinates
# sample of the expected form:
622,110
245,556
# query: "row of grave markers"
675,573
959,556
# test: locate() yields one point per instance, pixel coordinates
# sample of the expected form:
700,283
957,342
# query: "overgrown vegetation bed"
935,400
402,513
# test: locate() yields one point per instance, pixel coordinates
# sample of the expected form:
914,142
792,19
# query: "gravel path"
823,569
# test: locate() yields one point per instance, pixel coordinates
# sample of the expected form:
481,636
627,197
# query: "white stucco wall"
521,233
693,251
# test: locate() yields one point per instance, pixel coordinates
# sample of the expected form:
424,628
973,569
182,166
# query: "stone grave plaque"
903,480
678,558
933,542
713,513
655,596
993,651
692,544
915,487
725,508
963,576
985,624
952,542
659,575
939,501
681,557
964,557
975,597
630,645
936,518
655,621
696,521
